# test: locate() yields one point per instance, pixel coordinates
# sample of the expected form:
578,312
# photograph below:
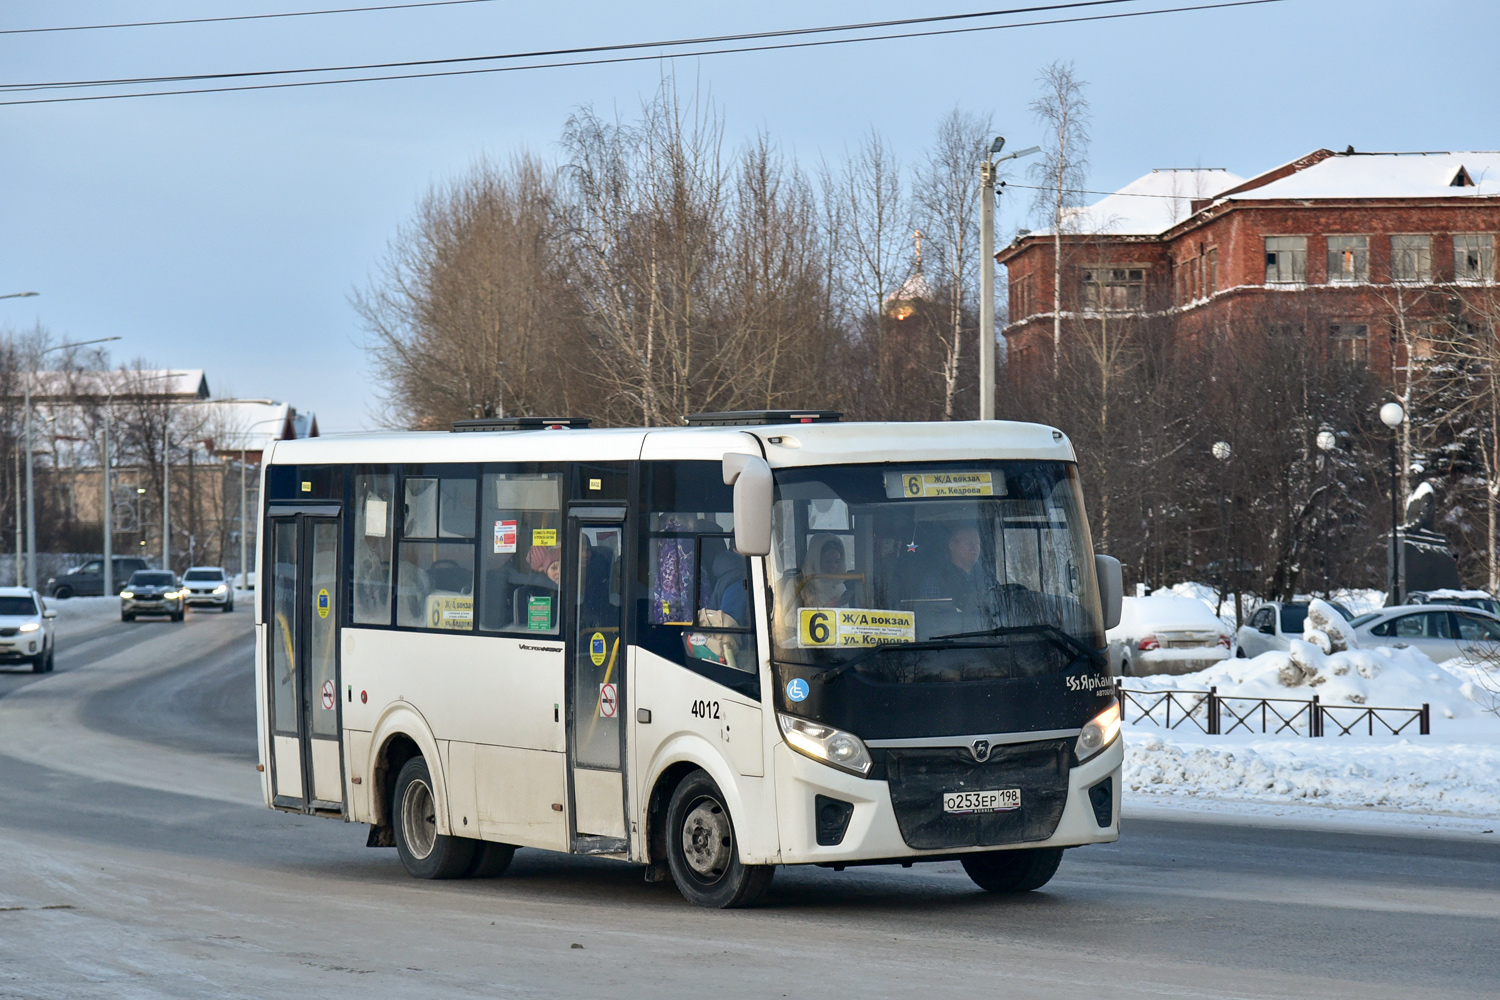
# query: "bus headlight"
1099,733
826,744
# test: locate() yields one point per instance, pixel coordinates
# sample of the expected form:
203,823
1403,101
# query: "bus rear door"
303,608
597,653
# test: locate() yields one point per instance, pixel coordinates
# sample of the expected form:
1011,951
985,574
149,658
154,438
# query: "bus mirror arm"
751,478
1111,588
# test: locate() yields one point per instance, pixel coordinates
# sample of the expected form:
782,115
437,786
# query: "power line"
583,50
20,88
235,17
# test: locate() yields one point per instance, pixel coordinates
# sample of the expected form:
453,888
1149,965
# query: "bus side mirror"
1111,588
751,478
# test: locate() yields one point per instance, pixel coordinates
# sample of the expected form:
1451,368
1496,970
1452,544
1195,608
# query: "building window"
1020,298
1411,258
1348,258
1286,259
1473,257
1213,271
1114,289
1349,341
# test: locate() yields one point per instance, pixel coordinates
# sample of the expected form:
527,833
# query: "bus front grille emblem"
981,750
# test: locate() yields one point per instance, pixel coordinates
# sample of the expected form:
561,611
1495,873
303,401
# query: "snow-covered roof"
1385,175
1151,204
252,424
176,384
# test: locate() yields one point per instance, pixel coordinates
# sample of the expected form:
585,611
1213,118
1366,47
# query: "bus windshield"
930,573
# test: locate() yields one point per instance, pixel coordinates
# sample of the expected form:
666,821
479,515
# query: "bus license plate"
1000,800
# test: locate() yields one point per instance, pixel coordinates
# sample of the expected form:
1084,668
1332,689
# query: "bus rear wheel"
1013,871
424,852
702,851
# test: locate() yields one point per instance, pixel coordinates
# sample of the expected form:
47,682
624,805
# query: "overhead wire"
236,17
783,46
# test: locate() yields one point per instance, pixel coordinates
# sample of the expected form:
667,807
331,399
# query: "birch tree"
1062,110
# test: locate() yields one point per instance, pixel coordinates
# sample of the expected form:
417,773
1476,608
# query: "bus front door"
596,703
306,764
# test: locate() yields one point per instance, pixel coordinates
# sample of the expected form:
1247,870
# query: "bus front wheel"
1013,871
702,852
424,852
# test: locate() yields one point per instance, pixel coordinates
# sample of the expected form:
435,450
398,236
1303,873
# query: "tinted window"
1293,616
17,606
91,567
204,574
154,578
1473,628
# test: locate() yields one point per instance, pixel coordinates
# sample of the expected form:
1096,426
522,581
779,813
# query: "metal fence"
1219,715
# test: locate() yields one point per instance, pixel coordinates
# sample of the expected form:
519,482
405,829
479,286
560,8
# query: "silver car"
1273,625
1442,631
26,632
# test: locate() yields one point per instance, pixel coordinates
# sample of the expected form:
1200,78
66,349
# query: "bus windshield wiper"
1052,632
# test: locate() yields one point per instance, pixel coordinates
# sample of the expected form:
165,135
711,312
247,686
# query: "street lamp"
20,295
30,500
1393,416
987,346
1326,442
1221,451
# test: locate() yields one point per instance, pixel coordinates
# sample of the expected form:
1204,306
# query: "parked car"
88,580
1167,634
152,592
26,632
1442,631
1467,598
208,586
1274,624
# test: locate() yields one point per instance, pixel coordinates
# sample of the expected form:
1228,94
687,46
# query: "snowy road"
133,863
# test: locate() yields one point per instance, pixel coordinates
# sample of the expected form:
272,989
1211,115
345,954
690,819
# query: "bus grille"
918,779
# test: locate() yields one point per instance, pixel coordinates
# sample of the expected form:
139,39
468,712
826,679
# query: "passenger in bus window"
546,560
823,583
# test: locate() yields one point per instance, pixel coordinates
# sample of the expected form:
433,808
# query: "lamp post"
1221,451
1326,442
30,499
20,295
1393,416
987,347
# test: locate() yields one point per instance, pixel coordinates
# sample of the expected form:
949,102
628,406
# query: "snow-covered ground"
1448,781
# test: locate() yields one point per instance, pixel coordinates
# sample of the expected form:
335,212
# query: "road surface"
135,861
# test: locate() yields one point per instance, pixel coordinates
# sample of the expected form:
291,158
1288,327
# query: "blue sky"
226,231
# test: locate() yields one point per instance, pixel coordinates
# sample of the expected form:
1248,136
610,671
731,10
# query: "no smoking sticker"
329,696
609,701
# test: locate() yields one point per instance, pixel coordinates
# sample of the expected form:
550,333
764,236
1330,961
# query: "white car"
26,633
1167,634
1467,598
208,586
1443,632
1273,625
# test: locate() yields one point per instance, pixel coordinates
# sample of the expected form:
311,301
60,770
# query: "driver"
960,578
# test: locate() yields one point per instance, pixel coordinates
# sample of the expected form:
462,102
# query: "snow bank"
1380,675
1397,773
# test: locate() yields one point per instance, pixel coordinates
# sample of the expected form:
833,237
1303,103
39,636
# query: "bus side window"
435,579
373,543
697,589
520,547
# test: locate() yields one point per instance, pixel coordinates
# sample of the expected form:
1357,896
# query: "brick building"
1357,249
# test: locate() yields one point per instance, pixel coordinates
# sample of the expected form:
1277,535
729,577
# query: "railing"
1219,715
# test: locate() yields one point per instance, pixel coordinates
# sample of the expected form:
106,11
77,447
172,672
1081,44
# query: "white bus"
761,639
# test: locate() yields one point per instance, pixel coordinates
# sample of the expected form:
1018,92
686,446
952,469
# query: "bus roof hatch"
742,418
521,424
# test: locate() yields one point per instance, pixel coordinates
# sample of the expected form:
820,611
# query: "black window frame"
440,471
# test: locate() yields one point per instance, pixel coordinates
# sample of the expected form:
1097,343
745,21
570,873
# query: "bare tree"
948,197
1062,109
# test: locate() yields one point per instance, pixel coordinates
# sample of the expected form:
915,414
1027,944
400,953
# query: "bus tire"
702,852
490,859
424,852
1013,871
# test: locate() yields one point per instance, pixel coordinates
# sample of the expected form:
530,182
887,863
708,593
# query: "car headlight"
127,594
824,743
221,589
30,627
1099,733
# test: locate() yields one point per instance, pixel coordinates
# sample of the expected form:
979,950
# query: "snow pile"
1415,774
1326,629
1380,676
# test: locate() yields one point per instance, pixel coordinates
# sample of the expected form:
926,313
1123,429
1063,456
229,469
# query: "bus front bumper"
873,833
